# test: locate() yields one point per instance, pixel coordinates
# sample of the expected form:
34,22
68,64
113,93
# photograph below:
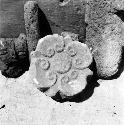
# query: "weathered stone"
7,53
31,24
21,47
108,56
82,58
104,34
60,64
7,50
4,53
14,58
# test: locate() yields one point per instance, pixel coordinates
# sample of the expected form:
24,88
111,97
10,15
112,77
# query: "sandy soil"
25,105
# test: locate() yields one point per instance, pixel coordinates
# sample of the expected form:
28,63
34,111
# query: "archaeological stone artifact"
60,64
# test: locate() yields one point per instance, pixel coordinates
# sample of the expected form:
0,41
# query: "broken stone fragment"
21,47
3,54
14,58
53,59
7,50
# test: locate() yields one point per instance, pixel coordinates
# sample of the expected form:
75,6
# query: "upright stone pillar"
31,24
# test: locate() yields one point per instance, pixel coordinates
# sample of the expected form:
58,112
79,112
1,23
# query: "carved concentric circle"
78,63
61,63
64,80
74,75
80,54
51,78
44,64
71,51
47,44
50,52
65,67
64,89
59,47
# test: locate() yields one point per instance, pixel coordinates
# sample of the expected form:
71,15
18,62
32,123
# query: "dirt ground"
25,105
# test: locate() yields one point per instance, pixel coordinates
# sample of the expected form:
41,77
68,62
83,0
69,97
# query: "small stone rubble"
60,64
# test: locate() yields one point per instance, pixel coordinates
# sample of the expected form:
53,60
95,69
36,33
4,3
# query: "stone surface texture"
31,24
104,34
14,56
21,47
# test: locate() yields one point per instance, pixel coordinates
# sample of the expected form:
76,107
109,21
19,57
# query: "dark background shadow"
44,25
120,14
